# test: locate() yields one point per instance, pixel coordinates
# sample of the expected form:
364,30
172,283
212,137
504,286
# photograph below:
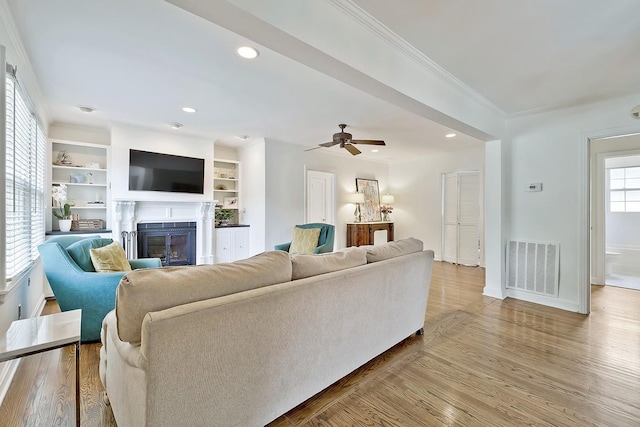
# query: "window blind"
24,181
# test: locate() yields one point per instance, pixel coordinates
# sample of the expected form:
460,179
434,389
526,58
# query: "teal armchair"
325,240
75,284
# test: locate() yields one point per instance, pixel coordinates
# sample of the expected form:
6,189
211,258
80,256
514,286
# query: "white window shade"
24,182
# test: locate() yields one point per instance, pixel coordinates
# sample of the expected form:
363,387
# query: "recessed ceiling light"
375,150
243,137
86,109
450,135
248,52
189,109
176,125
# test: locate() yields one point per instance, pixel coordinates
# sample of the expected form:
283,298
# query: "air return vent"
533,267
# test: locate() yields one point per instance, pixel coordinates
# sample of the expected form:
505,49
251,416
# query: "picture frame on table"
230,202
370,209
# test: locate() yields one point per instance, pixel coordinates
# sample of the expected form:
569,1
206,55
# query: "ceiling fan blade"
329,144
314,148
368,142
353,150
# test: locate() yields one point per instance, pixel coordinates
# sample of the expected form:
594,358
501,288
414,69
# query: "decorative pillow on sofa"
312,265
80,251
304,240
393,249
110,258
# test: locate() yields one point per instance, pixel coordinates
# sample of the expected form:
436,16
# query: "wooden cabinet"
232,243
361,233
83,168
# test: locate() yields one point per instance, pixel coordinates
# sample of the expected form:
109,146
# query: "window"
24,181
624,189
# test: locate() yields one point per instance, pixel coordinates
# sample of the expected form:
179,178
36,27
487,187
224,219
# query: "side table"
38,334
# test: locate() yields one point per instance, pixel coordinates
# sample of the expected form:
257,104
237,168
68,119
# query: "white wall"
124,137
71,132
273,185
253,193
552,148
225,152
417,187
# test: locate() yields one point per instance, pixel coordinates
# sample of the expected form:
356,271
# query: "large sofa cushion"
393,249
312,265
144,291
80,251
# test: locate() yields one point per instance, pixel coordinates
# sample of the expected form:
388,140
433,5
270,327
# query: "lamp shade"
356,198
387,199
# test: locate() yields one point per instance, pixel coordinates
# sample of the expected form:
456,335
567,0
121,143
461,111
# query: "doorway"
615,209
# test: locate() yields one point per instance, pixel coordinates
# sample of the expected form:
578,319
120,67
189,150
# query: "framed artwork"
370,210
230,202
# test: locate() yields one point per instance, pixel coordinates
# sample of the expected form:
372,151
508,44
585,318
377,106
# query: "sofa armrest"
283,247
145,263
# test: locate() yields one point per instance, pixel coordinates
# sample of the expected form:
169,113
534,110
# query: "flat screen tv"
165,172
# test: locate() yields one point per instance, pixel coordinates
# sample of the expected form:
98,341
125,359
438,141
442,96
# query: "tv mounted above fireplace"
165,172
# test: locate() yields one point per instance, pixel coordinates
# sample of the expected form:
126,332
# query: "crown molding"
26,73
366,20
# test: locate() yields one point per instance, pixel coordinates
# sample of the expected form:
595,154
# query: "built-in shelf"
226,186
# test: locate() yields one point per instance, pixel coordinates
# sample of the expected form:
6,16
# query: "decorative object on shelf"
76,178
63,158
93,165
230,202
386,208
357,199
221,187
369,187
89,177
64,217
223,216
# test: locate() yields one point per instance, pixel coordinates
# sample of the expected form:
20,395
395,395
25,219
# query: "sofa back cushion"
312,265
80,251
149,290
393,249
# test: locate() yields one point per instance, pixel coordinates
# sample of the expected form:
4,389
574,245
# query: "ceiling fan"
345,140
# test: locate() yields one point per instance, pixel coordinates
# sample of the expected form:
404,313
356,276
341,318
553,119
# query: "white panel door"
461,218
320,197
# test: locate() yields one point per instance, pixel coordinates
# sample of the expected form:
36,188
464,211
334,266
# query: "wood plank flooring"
481,362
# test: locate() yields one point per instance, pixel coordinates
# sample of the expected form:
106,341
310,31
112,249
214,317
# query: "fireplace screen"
174,243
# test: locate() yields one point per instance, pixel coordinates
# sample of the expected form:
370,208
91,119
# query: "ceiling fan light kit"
346,141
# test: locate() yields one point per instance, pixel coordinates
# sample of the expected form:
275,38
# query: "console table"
37,334
361,233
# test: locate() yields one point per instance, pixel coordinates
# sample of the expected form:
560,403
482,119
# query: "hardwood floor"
481,362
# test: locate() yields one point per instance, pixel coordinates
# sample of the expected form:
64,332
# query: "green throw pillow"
80,251
304,240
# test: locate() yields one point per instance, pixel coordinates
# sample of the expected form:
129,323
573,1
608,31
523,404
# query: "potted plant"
64,216
59,194
223,216
386,210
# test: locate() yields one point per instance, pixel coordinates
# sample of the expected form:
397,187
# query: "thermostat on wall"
534,186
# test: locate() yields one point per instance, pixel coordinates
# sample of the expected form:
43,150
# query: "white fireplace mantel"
128,213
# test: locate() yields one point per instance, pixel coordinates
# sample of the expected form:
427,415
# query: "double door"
461,218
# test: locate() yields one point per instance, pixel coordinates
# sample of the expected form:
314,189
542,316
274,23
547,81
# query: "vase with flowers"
386,210
59,195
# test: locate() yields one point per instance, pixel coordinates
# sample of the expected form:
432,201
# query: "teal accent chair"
325,240
75,284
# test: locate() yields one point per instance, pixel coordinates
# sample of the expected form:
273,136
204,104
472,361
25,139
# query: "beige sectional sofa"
240,344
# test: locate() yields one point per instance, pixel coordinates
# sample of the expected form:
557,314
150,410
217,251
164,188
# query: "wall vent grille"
533,267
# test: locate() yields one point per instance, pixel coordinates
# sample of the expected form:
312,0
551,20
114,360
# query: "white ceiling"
139,62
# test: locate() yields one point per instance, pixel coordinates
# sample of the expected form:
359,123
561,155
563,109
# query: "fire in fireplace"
173,242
